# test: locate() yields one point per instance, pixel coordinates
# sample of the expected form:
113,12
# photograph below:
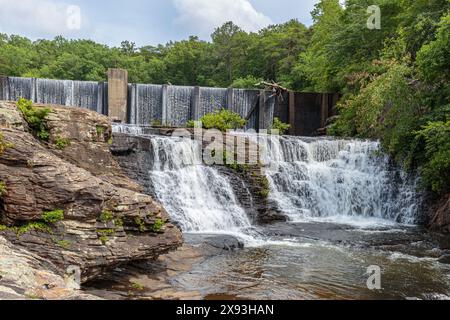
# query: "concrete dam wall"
150,104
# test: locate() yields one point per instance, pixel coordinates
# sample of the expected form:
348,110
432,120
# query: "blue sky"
144,22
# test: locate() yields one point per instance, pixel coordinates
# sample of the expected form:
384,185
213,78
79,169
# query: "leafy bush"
222,120
280,126
53,216
158,225
436,169
248,82
35,117
2,188
32,226
106,216
61,143
3,144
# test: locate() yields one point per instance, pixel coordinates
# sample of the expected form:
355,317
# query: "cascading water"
195,195
343,179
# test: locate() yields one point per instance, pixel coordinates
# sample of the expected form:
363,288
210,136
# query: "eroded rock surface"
107,222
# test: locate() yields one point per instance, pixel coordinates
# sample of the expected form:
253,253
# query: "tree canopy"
394,80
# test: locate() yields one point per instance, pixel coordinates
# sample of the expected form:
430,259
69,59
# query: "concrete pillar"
117,94
230,96
195,107
262,109
3,87
292,131
165,112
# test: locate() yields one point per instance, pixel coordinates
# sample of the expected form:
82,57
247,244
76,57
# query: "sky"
145,22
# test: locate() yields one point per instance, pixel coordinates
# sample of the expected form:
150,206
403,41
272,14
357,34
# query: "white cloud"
38,17
201,17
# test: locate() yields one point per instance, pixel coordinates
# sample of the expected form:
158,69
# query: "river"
348,209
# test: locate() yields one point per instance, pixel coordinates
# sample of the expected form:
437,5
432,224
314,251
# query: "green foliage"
65,244
222,120
106,216
100,130
433,59
136,286
156,123
248,82
158,225
35,117
140,223
61,143
435,136
32,226
2,188
281,127
118,222
105,234
53,216
265,188
3,144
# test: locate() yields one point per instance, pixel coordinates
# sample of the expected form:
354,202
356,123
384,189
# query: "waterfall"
350,179
195,195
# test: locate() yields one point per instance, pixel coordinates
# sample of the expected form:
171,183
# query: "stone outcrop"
439,215
107,221
24,275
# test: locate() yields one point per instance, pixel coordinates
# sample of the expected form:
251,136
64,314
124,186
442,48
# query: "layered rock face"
439,215
107,221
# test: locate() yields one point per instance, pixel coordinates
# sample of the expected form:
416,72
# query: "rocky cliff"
66,200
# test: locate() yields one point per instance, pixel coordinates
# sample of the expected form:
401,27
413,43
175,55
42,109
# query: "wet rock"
439,215
216,241
84,180
445,259
24,275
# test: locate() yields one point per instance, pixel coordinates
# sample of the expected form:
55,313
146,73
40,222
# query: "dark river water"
320,260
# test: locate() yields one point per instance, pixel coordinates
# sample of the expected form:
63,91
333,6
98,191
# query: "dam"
174,106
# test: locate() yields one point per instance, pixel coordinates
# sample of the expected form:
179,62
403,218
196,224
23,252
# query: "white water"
345,181
195,195
311,179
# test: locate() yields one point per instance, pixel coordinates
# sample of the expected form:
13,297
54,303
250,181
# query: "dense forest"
394,80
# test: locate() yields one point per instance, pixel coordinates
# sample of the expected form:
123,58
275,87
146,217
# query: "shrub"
2,188
106,216
158,225
280,126
140,223
223,120
32,226
53,216
61,143
435,171
35,117
100,130
249,82
3,144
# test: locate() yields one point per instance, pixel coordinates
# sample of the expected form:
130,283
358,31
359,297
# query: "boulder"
107,221
439,215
